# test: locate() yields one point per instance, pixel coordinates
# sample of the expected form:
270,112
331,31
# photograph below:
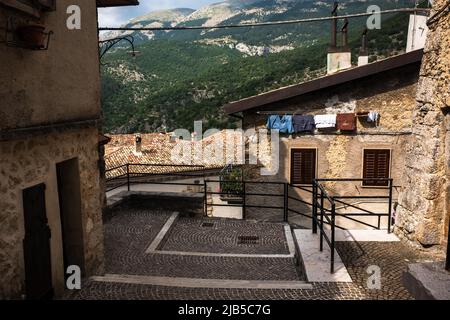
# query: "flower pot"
33,36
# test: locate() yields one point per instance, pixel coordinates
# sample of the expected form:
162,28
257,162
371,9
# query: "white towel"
325,121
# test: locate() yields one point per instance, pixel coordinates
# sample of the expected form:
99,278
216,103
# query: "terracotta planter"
33,36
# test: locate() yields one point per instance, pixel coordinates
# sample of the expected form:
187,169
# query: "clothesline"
293,113
308,123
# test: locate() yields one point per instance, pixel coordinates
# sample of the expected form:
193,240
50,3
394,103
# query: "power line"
262,24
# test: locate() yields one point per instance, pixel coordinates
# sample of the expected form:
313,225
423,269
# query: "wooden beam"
22,7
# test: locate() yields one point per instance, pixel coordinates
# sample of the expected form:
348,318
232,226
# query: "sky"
115,17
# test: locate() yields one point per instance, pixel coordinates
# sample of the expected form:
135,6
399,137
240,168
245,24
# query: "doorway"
36,245
69,194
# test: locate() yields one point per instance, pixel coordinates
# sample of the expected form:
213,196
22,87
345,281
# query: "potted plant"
33,35
232,187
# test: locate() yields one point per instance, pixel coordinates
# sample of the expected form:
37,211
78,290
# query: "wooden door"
36,245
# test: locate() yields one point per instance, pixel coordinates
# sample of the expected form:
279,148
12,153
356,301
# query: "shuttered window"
303,166
376,166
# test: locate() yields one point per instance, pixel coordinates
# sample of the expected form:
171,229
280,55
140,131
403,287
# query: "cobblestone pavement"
127,237
391,257
112,291
189,235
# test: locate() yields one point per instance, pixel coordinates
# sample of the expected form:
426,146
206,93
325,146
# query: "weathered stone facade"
424,203
340,155
25,163
49,137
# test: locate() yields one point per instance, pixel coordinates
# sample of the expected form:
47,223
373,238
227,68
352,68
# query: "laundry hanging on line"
325,121
373,116
346,121
303,123
283,124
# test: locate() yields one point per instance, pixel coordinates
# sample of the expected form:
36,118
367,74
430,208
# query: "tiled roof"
156,149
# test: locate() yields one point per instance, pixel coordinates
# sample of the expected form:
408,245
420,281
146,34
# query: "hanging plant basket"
33,36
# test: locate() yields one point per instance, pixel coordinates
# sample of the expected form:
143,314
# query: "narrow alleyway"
203,259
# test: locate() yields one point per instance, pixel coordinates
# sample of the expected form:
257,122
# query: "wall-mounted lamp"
106,45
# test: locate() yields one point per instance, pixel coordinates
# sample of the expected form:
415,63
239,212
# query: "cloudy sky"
112,17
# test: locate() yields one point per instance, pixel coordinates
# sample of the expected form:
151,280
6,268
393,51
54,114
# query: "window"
303,166
376,166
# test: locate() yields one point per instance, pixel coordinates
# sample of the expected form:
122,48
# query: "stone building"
387,87
424,203
51,194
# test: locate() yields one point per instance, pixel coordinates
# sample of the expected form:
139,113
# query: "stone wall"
25,163
390,93
424,211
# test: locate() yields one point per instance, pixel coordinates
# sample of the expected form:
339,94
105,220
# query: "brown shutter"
303,166
376,166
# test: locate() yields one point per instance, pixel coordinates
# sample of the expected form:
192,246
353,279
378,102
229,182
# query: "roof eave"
323,82
116,3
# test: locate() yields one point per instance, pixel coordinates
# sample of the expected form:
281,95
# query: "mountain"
252,41
183,76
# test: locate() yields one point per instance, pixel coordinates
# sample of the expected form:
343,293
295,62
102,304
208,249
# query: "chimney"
138,144
363,58
339,57
417,32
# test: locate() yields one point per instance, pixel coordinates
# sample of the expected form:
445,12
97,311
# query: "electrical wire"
263,24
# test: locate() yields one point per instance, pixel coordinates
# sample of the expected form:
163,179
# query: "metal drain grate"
248,240
207,225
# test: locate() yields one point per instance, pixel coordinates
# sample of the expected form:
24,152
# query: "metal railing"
325,205
328,215
365,198
323,212
157,174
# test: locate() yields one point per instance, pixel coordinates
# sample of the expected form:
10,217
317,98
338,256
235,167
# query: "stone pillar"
424,201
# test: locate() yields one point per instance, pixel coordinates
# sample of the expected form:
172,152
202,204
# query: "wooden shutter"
376,166
303,166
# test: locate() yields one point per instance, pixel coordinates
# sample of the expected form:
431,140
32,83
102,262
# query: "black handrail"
323,204
319,193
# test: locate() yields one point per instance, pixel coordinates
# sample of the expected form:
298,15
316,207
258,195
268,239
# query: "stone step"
317,263
201,283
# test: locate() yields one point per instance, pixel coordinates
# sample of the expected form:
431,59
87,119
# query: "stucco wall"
54,89
58,85
27,163
425,209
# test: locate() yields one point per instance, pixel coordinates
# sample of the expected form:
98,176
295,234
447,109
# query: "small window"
303,166
376,166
